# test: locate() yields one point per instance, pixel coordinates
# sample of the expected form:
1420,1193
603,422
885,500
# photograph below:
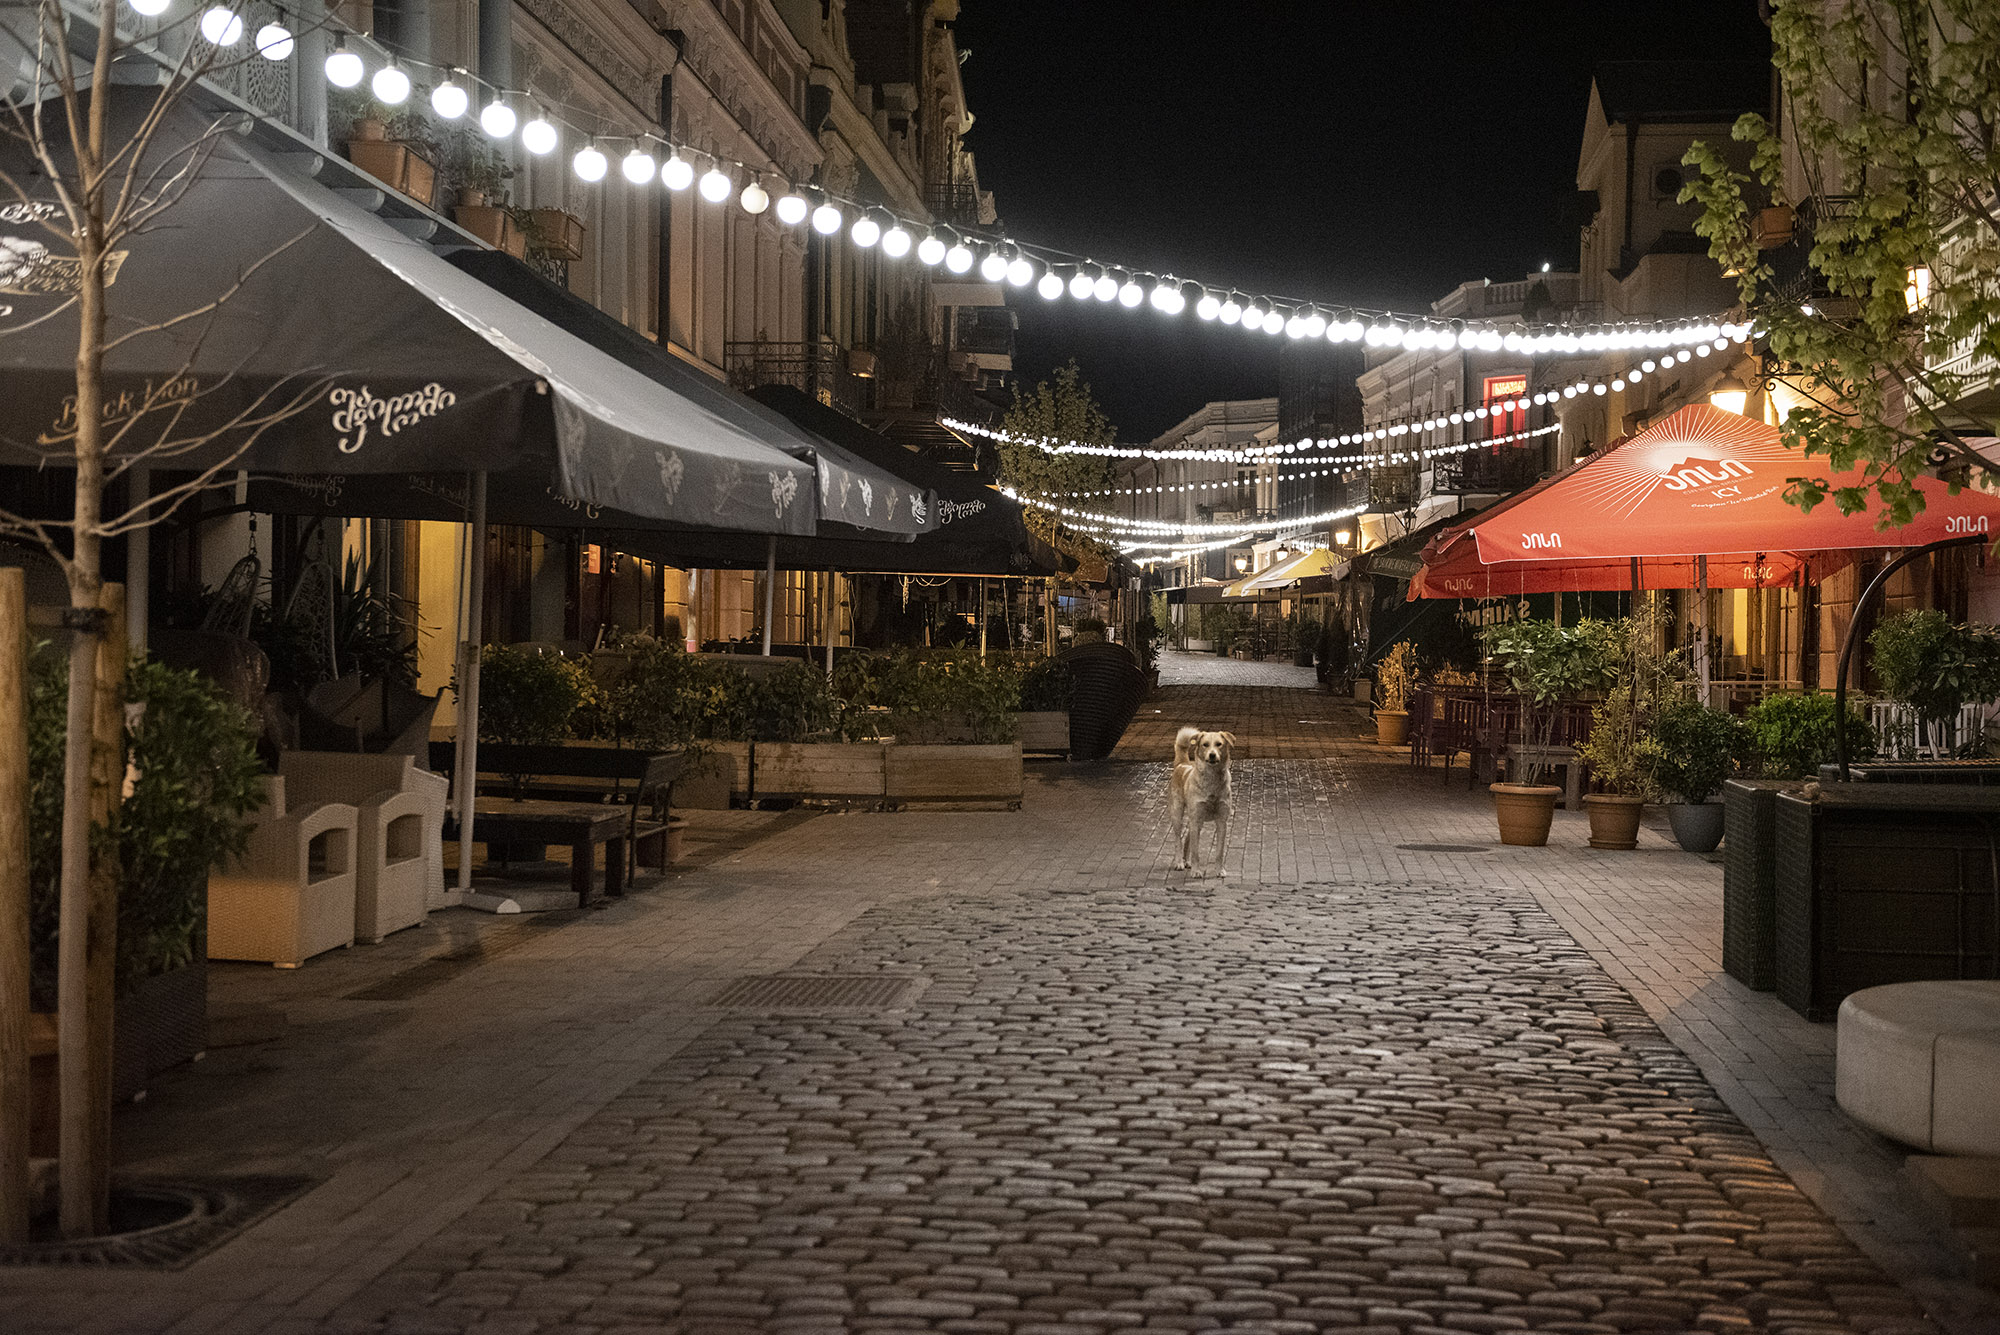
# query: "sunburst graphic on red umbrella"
1696,446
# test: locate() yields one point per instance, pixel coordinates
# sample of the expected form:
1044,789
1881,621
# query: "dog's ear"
1229,740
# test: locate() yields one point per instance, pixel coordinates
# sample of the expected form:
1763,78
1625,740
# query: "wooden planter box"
843,771
954,773
1044,730
160,1023
558,235
1771,227
494,225
711,783
397,165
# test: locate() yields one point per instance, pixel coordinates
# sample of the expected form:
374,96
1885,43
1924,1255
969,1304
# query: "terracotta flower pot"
1525,811
1614,820
1392,727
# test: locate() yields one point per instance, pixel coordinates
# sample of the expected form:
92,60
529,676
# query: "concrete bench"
1920,1062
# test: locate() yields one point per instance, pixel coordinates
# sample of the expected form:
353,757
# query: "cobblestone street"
1386,1077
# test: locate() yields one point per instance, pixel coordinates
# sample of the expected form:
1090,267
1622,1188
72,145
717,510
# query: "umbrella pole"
982,616
832,620
1701,624
770,589
467,778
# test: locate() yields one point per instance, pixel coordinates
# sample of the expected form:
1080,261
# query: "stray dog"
1198,792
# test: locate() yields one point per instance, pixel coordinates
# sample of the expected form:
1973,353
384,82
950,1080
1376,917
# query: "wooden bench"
642,779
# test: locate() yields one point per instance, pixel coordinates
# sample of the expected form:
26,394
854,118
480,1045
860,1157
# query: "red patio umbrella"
1643,513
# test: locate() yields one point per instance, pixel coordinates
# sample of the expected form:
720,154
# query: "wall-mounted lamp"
1345,537
1729,394
1242,564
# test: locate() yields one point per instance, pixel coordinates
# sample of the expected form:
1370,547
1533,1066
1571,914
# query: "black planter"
1750,880
1698,826
159,1023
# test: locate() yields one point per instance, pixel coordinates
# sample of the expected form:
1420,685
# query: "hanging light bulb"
149,8
1081,283
676,174
1105,288
539,137
865,232
1020,272
754,199
715,185
1049,287
1130,294
1208,307
590,165
1166,297
792,210
447,99
993,266
959,258
274,39
826,220
390,85
896,243
639,167
1231,310
930,250
343,68
498,119
221,26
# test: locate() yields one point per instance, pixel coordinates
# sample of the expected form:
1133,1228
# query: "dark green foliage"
526,697
929,695
198,781
1791,735
1935,667
1692,750
1047,686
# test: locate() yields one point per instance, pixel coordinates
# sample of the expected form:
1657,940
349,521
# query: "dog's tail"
1182,741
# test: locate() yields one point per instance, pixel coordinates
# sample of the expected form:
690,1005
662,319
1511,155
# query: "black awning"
395,360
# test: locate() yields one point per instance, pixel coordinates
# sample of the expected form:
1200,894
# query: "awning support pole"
982,616
1701,625
138,564
832,619
467,778
1861,606
770,589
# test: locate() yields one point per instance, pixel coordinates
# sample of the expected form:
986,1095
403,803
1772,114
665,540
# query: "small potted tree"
1305,639
1547,664
1614,750
1690,755
1937,668
1394,676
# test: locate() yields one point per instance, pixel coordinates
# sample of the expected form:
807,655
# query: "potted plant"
397,151
1619,726
478,176
953,716
193,754
1394,676
553,233
1789,735
808,743
1547,664
1305,639
1043,720
1936,668
1690,755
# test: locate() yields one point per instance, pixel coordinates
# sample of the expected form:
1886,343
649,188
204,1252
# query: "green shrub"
1935,667
527,697
199,779
1047,686
1692,750
928,695
1789,736
794,704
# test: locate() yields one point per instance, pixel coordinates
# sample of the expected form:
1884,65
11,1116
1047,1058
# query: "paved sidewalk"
1357,1085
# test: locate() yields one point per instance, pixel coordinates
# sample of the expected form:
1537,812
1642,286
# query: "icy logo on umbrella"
784,486
28,270
1709,463
672,470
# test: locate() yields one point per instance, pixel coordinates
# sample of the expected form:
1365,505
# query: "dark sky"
1377,152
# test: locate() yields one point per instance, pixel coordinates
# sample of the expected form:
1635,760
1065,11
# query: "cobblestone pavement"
1385,1077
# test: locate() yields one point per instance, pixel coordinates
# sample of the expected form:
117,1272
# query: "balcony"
820,369
953,202
1392,490
1503,469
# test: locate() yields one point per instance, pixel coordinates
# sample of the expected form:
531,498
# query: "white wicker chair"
291,896
399,836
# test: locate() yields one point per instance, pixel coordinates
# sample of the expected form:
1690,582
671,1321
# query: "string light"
865,232
274,39
677,174
896,242
754,199
497,119
639,167
151,9
792,210
539,137
589,163
221,26
390,85
343,68
930,250
826,220
715,185
447,99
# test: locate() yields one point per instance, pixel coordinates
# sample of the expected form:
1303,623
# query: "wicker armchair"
292,894
399,831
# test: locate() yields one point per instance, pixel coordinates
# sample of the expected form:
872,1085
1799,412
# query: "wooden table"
581,825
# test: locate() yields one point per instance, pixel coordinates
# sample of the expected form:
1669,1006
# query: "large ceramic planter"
1614,820
953,773
1697,825
831,771
1392,727
1525,811
1045,730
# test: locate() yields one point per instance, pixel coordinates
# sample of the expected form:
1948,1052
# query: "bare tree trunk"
14,965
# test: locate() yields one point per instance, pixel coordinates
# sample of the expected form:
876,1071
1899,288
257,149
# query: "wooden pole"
770,589
15,1203
982,616
87,955
466,782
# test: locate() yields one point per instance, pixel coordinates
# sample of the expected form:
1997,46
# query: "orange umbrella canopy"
1703,483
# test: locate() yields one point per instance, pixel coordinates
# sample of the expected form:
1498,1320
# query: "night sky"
1375,153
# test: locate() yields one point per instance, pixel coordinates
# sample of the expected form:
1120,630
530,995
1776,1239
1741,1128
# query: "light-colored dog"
1199,792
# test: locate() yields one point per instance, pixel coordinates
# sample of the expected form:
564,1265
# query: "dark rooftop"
1682,90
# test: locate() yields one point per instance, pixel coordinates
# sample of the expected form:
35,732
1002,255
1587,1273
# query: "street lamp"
1242,564
1730,395
1345,537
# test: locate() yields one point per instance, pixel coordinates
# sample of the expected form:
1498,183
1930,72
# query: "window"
1500,387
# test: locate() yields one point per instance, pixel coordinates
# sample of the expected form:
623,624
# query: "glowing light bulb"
150,8
716,186
676,174
1080,284
1231,311
1050,287
343,68
1273,323
865,232
1020,273
590,164
896,243
1208,307
1130,294
539,137
498,119
1105,288
639,167
930,250
792,210
754,199
274,39
221,26
826,220
992,266
447,99
959,258
1166,298
390,85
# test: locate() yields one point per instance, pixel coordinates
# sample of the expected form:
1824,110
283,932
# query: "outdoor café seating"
291,895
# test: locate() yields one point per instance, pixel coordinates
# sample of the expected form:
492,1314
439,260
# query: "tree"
99,179
1063,411
1895,134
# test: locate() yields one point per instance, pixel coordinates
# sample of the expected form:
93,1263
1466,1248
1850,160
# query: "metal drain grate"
1445,848
796,991
165,1223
